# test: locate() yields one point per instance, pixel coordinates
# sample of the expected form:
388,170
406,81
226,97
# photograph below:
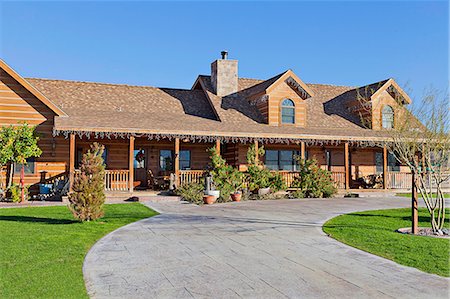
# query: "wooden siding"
276,96
18,105
377,106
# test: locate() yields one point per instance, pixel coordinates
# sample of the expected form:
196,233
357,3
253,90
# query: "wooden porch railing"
288,176
117,180
399,180
339,178
190,176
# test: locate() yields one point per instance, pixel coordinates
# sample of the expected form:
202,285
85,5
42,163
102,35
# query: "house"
158,131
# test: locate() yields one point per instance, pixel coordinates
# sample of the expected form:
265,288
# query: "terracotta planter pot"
209,199
236,196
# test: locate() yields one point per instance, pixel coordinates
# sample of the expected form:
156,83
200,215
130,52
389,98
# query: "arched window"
287,112
387,117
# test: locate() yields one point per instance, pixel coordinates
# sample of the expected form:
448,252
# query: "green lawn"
374,232
42,248
446,195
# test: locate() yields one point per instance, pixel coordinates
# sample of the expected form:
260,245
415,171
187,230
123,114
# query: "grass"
374,232
446,195
42,248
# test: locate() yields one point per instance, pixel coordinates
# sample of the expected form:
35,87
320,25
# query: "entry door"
140,166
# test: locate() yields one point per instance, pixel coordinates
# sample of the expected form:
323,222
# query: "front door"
140,167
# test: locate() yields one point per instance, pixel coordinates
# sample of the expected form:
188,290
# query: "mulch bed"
425,231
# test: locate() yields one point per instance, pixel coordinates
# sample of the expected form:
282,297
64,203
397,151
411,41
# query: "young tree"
17,144
420,139
88,196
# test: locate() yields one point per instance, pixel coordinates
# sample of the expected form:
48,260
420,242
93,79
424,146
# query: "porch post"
385,168
256,152
218,146
131,165
177,161
347,170
71,159
303,150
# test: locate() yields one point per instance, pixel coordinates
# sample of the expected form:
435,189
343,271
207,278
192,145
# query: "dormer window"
287,112
387,117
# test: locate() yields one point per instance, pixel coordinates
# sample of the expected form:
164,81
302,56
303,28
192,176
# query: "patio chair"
60,189
152,182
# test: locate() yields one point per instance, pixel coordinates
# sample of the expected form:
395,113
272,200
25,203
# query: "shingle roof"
142,109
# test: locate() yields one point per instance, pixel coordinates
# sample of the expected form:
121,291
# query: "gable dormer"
379,105
281,100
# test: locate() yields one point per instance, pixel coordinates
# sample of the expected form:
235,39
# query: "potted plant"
209,199
236,181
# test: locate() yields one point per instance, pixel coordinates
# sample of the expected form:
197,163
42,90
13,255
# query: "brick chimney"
224,75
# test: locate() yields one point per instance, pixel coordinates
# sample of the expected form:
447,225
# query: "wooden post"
385,168
256,152
303,150
414,201
131,165
177,161
218,146
347,170
71,159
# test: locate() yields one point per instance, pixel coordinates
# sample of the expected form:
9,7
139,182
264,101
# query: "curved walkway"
263,249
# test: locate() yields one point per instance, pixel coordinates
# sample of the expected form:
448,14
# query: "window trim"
287,107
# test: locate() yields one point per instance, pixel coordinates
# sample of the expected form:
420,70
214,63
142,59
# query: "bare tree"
420,139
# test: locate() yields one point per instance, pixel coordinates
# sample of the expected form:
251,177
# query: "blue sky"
167,44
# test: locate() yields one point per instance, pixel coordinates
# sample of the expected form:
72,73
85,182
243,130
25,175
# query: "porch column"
131,165
218,146
303,150
177,161
385,168
256,152
347,170
71,159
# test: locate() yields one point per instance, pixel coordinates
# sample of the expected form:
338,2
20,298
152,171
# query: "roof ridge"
93,82
331,85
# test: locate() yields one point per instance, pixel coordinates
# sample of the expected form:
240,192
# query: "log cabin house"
158,131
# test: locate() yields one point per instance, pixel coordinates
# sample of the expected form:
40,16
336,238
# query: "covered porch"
140,163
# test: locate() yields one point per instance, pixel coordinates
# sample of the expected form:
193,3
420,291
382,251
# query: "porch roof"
123,110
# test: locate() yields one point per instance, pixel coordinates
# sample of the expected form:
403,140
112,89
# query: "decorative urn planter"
236,196
264,191
209,199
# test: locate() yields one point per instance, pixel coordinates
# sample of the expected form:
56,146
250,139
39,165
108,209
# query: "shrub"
297,194
260,177
15,192
192,193
88,196
226,178
313,181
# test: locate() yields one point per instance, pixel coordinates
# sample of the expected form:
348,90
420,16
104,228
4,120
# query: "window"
139,158
185,160
328,159
166,160
105,156
387,117
29,167
281,160
393,164
379,162
287,112
78,157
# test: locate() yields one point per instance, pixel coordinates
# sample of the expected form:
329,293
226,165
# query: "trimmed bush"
88,196
192,193
314,181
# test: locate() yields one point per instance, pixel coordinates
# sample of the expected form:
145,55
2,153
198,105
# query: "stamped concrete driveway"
263,249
